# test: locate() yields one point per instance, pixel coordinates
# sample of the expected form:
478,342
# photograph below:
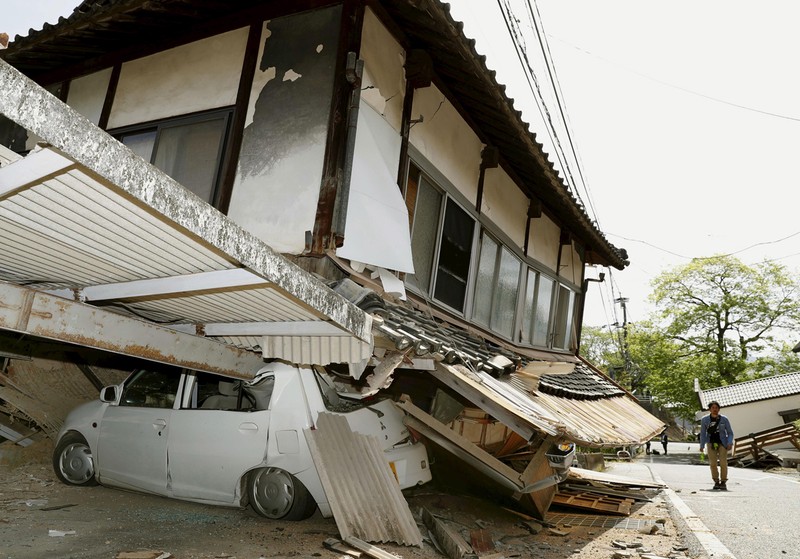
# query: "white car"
211,439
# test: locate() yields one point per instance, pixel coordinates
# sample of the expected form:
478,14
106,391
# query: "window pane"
528,310
455,253
541,323
141,143
505,294
485,281
566,301
151,389
190,155
424,233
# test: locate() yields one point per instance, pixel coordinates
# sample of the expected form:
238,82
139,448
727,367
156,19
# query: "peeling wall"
505,204
279,173
446,140
195,77
383,85
87,94
543,241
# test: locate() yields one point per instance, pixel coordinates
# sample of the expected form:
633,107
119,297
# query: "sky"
685,117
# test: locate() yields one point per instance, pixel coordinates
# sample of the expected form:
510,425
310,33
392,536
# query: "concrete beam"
39,314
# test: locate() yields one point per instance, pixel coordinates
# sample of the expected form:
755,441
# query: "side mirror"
108,394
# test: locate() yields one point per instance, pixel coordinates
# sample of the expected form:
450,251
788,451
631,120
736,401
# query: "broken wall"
279,173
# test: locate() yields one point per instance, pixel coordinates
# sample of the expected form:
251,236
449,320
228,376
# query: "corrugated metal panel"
316,349
364,495
752,390
607,422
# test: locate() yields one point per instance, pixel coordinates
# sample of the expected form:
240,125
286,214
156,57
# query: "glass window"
455,253
541,320
482,309
529,309
504,304
151,389
424,233
187,149
496,287
564,318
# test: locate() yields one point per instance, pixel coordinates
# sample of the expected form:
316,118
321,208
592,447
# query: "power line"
734,253
533,83
678,87
559,96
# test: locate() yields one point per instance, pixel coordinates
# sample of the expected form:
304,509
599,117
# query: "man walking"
717,433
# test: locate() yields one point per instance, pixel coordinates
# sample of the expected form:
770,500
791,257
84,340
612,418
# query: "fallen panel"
586,500
362,491
39,314
590,475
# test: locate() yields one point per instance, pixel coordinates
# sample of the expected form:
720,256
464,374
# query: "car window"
213,392
151,389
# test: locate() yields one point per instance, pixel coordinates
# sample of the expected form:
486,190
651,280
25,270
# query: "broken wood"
369,549
336,545
448,539
587,500
481,541
751,447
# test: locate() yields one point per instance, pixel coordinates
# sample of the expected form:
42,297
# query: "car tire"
277,494
73,461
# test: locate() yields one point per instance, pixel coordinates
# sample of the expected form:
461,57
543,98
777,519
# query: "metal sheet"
364,495
606,422
33,312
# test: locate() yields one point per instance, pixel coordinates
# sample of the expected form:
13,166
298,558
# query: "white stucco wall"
446,140
383,85
543,241
195,77
279,172
758,416
571,265
505,204
87,94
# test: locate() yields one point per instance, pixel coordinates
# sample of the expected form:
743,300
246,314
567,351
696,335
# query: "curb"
710,542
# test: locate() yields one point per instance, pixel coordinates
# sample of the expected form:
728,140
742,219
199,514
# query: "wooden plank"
586,500
481,541
448,539
369,549
335,545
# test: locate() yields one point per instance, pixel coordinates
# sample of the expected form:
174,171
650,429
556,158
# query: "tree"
727,318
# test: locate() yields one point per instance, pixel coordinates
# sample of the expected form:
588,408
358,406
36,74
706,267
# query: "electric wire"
559,97
533,83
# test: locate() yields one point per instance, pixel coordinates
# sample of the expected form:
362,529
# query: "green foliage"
717,320
729,315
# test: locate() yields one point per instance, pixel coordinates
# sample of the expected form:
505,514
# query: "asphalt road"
758,517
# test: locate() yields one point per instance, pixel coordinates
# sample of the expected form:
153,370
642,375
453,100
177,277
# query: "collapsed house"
338,184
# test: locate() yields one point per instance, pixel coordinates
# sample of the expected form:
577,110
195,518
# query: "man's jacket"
725,431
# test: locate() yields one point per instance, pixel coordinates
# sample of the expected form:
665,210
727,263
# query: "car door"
132,446
216,436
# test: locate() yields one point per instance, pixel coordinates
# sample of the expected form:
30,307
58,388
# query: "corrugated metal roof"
606,422
93,221
361,489
752,390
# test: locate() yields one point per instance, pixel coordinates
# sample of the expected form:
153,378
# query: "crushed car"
210,439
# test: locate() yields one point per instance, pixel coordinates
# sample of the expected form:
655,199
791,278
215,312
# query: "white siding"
195,77
383,86
87,94
543,242
505,204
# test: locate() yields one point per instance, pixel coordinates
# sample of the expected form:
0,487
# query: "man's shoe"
717,485
722,486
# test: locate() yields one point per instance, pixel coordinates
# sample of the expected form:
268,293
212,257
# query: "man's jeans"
722,453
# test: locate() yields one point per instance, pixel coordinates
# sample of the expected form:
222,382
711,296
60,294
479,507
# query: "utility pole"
626,356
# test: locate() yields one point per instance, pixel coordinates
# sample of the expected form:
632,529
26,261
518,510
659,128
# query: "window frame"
186,120
449,191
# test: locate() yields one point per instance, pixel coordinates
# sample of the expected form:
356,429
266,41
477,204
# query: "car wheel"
73,462
275,493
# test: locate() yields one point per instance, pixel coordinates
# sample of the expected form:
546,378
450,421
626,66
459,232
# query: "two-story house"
365,142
